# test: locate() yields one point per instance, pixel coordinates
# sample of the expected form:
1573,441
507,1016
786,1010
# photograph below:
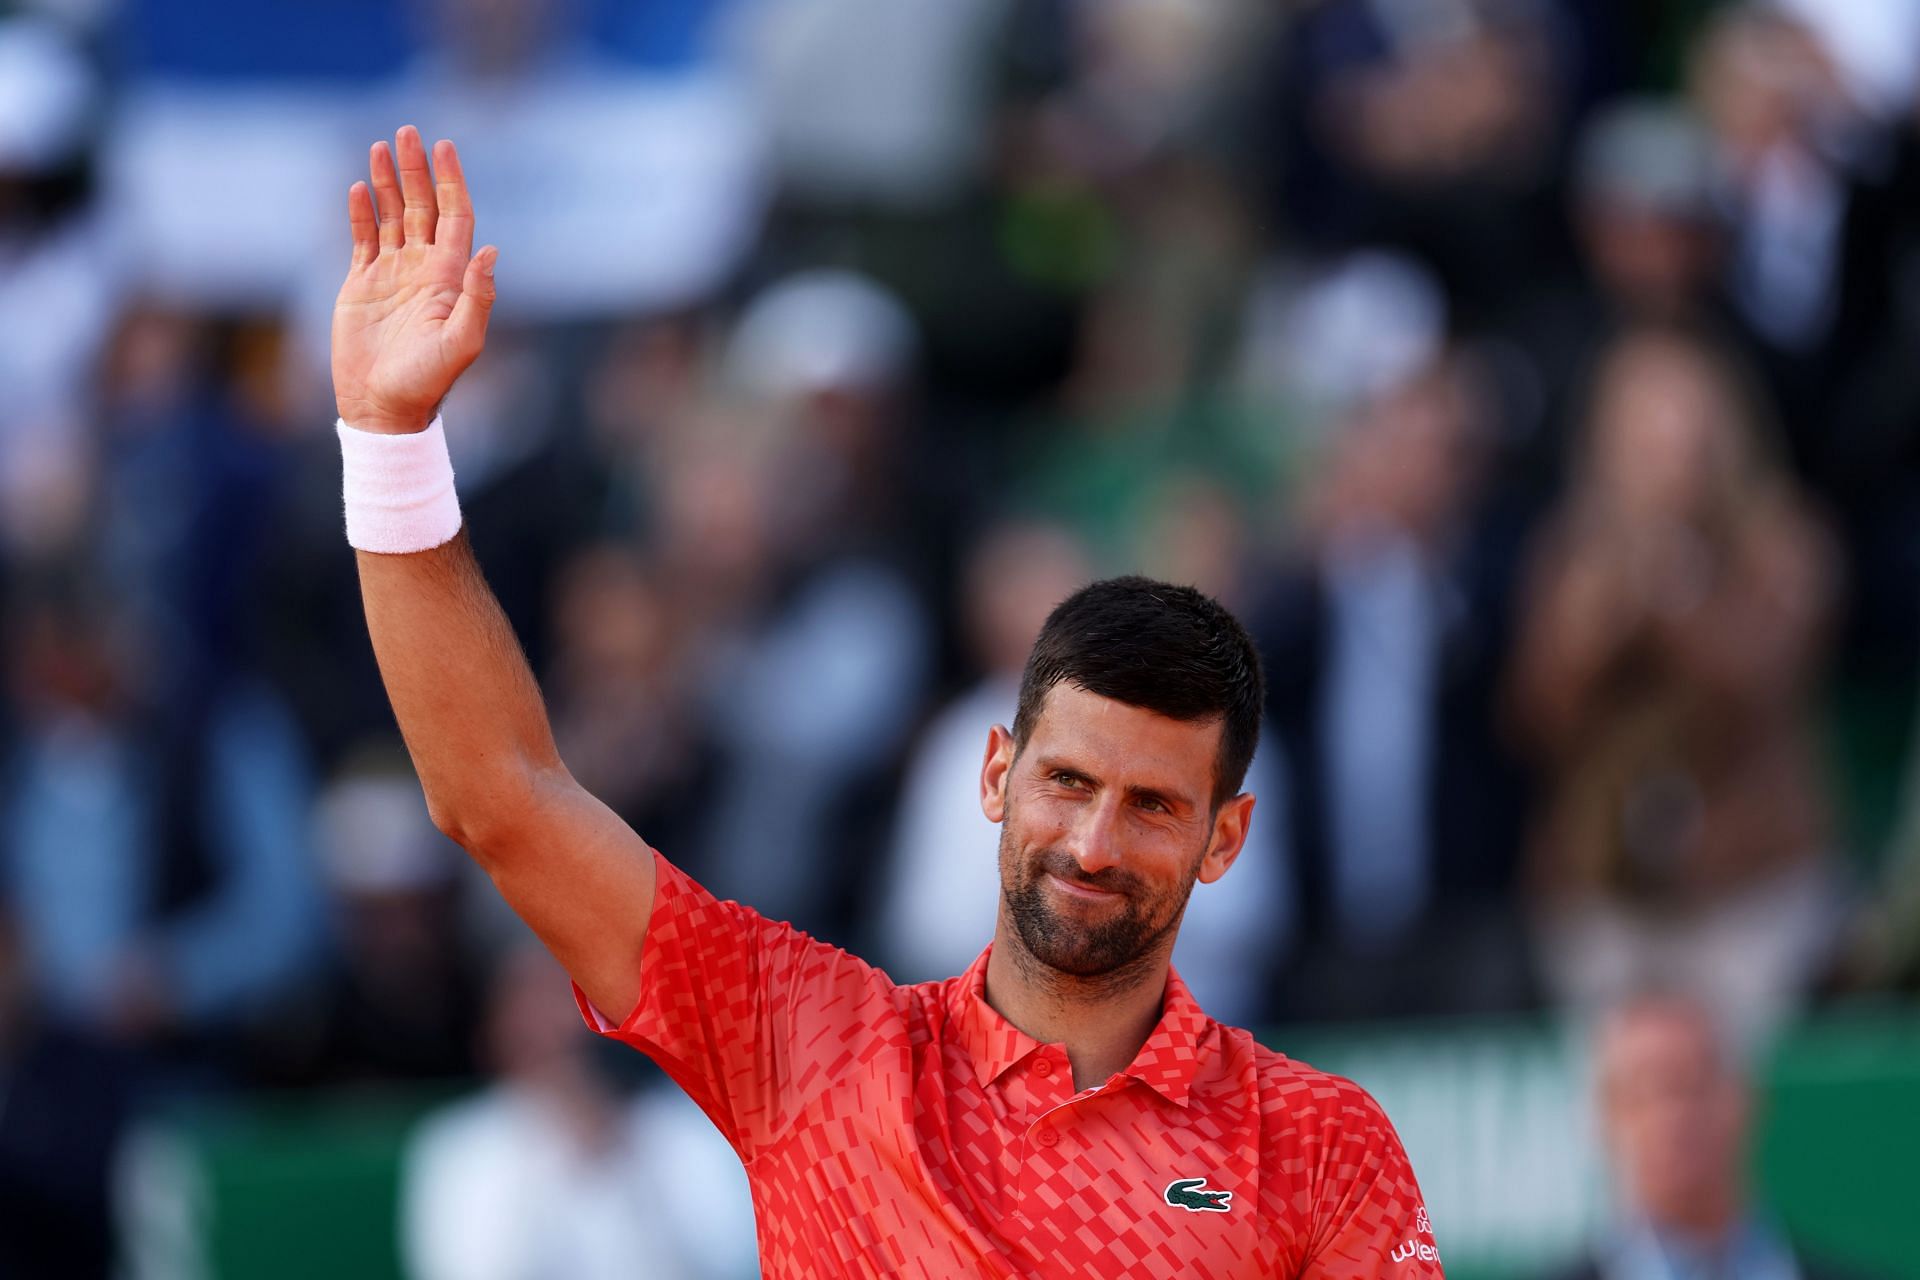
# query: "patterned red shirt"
894,1131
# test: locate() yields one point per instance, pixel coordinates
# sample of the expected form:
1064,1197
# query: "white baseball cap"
821,330
48,94
376,837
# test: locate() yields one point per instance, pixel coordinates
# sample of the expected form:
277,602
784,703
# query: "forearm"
467,704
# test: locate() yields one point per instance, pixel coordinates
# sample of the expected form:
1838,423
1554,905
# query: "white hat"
1649,154
376,837
821,330
1344,331
47,96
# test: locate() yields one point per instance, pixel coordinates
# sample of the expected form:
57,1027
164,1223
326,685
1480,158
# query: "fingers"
416,187
404,202
455,229
467,327
366,230
386,192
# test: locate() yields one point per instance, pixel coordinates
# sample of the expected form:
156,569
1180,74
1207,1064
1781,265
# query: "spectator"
1430,128
400,994
1675,1116
1792,148
59,277
814,692
551,1172
1383,635
1652,247
1774,102
620,694
1129,417
1645,211
1668,651
1866,432
135,924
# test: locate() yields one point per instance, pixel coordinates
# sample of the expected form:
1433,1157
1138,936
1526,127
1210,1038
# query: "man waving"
1062,1106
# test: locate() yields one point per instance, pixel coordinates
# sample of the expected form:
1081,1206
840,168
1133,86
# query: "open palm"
412,314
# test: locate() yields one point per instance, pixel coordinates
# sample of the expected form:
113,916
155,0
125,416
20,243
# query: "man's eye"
1151,805
1067,779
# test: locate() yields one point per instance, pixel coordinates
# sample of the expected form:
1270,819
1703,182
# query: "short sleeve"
1370,1221
753,1018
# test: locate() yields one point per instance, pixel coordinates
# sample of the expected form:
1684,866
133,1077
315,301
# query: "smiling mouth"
1082,891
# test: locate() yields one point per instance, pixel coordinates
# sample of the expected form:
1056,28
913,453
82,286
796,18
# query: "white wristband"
398,489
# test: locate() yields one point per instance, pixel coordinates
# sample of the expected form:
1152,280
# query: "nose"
1094,839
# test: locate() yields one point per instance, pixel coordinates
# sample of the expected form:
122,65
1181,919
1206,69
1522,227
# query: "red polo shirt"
894,1131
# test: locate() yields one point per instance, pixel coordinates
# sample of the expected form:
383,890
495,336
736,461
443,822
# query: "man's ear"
994,772
1229,837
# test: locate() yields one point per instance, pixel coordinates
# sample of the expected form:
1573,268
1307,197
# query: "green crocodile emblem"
1185,1193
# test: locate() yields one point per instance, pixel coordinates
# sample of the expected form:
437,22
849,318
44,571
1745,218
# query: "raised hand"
412,314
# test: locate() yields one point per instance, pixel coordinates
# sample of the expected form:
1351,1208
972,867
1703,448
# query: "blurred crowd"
1534,376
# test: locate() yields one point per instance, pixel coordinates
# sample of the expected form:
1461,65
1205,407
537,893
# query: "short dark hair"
1171,650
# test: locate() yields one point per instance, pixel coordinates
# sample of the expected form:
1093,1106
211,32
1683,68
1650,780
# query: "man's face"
1107,822
1675,1114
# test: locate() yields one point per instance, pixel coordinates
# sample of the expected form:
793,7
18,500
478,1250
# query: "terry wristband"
398,489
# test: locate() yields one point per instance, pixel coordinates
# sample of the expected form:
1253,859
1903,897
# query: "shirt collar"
1169,1060
1167,1063
993,1044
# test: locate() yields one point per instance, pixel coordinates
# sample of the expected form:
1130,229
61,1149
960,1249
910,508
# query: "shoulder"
712,962
692,918
1318,1131
1295,1097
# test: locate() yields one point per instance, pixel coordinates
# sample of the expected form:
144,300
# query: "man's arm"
410,318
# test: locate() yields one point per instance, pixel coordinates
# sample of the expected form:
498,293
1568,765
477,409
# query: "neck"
1101,1021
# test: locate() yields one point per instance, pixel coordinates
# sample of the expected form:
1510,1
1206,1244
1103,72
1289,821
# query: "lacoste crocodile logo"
1185,1193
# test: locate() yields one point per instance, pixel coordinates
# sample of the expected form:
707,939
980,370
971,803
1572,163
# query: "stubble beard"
1107,951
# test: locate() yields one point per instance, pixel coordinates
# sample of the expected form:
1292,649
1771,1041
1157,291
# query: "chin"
1081,962
1074,950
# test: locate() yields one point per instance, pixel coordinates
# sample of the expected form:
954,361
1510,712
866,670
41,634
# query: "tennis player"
1063,1108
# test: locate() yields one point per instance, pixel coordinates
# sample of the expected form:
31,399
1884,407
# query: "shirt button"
1048,1138
1043,1067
